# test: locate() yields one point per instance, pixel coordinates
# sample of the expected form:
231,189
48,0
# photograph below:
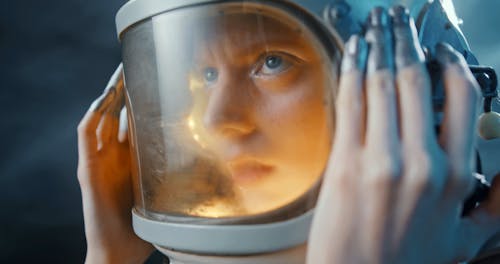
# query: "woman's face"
267,112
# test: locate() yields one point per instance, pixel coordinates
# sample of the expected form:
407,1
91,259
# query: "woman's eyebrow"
248,50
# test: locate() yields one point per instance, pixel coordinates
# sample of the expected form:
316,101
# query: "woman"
383,186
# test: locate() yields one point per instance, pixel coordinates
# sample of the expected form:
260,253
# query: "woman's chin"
250,173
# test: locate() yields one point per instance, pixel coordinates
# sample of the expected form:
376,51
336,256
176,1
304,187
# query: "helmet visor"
230,109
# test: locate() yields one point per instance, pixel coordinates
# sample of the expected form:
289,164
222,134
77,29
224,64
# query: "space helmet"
231,120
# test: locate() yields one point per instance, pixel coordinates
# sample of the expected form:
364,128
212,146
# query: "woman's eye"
210,75
273,62
273,65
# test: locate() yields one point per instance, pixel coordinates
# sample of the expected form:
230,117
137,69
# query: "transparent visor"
231,114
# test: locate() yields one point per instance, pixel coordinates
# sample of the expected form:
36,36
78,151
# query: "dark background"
55,58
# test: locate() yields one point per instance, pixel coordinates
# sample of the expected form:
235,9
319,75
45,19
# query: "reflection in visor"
241,124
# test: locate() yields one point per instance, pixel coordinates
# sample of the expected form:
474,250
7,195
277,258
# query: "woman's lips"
248,171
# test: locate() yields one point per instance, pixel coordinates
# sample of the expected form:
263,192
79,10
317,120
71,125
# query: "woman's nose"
229,112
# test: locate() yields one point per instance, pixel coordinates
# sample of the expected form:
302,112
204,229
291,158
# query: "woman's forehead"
249,28
239,34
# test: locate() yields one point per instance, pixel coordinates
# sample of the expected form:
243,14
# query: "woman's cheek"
298,124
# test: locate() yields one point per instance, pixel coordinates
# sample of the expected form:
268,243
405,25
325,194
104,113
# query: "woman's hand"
104,177
393,190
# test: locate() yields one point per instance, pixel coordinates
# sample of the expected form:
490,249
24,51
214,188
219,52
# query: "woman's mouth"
248,171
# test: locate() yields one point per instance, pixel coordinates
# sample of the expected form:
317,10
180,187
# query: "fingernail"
103,101
379,37
355,54
116,78
400,15
446,54
123,120
378,17
408,50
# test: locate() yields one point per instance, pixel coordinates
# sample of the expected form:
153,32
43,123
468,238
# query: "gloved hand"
393,191
105,181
